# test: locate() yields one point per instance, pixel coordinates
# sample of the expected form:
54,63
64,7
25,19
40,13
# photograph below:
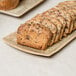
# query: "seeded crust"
45,21
51,22
60,21
72,6
71,3
72,14
8,4
68,19
59,13
58,26
33,35
47,28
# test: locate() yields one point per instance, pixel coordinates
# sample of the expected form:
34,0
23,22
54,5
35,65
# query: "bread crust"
54,13
33,35
49,27
45,21
68,19
8,4
72,8
72,14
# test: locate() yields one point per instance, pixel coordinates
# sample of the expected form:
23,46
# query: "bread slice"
56,15
59,28
60,17
46,21
33,35
71,12
72,6
68,19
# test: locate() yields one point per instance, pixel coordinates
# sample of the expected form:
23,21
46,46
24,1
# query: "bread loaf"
8,4
49,27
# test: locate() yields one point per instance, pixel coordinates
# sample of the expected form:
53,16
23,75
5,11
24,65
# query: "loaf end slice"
34,35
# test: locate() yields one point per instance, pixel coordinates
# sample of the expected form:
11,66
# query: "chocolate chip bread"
47,28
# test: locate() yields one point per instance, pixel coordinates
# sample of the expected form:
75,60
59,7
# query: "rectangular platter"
24,6
11,40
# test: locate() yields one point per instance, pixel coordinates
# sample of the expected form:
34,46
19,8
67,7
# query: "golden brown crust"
58,20
8,4
71,8
47,28
68,19
33,35
45,21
